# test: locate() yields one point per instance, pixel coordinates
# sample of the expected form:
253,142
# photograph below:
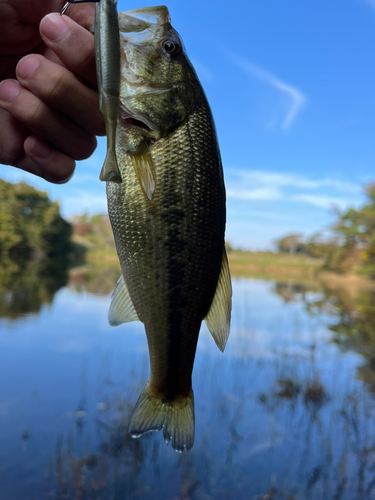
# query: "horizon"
292,98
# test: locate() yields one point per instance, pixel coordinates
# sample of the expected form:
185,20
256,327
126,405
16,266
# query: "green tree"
30,223
291,243
318,246
355,230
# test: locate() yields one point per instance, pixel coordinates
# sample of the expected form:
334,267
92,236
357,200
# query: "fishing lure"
107,57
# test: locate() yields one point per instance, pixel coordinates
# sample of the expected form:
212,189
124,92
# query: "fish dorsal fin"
144,169
131,24
121,309
218,317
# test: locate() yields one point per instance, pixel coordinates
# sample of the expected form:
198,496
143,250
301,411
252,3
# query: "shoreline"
257,265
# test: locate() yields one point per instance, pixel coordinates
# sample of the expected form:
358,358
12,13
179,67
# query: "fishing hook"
69,2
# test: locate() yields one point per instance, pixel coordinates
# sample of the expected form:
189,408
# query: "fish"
168,217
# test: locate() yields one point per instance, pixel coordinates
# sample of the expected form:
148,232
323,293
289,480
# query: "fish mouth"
137,121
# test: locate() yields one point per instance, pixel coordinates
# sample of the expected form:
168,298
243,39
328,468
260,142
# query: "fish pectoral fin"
218,317
144,169
176,417
121,309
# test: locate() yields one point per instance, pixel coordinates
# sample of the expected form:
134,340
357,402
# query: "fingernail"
40,150
53,27
9,90
27,66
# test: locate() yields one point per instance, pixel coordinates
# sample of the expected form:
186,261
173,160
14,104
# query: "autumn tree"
355,230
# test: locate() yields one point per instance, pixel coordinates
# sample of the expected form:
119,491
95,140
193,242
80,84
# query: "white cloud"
274,186
261,193
296,99
276,179
322,201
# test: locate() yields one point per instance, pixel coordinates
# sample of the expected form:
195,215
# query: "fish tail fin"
152,413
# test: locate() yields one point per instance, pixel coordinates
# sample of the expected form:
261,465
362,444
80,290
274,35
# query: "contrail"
297,99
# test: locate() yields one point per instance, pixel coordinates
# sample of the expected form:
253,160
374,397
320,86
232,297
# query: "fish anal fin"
144,169
218,317
121,309
152,413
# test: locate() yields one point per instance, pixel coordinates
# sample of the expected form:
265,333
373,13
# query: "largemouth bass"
167,214
168,219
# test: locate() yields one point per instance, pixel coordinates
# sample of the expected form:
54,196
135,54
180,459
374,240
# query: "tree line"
31,226
350,245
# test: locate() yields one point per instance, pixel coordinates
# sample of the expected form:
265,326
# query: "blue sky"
292,87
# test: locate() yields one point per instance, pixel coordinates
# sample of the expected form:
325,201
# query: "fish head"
158,85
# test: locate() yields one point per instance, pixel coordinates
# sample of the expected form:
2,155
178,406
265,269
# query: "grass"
245,264
272,266
241,263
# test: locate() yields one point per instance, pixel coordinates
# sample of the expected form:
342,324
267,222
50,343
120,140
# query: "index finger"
72,44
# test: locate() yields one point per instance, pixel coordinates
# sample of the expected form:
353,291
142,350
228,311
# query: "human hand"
49,112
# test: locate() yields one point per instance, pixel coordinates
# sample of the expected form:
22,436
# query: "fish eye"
171,47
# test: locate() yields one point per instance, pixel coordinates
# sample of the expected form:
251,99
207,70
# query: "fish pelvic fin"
218,317
144,169
121,309
176,418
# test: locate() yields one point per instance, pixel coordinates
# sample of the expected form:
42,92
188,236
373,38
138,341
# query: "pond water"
287,412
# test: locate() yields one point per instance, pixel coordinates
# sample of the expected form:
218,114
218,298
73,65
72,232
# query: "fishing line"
67,5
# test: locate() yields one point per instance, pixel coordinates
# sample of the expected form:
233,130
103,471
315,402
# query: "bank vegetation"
31,227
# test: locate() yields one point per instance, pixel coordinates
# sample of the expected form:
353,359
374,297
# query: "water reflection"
26,285
352,322
349,314
95,279
283,414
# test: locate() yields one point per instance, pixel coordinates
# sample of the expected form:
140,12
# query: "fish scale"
181,184
169,235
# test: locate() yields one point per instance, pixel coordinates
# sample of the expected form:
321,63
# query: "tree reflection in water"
313,435
280,416
350,317
26,285
96,279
